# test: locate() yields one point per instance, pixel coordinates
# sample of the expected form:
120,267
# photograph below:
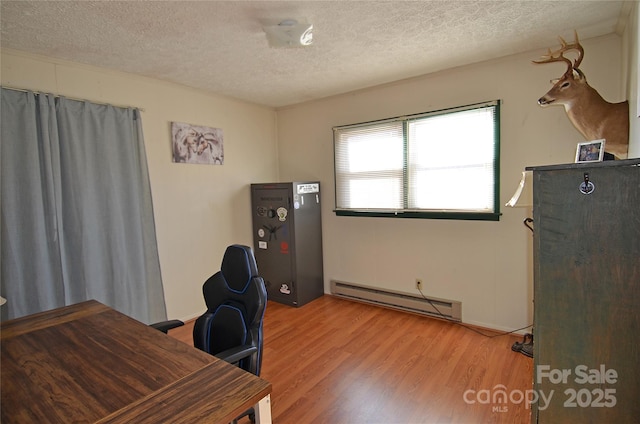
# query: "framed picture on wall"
197,144
590,151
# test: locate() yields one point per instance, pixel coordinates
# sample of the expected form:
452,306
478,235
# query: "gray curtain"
77,215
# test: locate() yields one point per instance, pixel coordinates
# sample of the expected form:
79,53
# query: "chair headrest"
238,267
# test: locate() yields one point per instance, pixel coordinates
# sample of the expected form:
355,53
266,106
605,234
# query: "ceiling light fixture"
289,33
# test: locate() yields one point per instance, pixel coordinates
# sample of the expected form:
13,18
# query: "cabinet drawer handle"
526,223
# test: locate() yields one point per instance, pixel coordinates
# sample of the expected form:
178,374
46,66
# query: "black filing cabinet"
287,233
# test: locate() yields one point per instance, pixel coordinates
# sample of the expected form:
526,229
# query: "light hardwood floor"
340,362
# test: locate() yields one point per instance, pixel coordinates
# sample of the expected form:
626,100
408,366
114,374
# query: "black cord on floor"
475,330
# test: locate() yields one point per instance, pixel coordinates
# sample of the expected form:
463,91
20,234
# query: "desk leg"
263,410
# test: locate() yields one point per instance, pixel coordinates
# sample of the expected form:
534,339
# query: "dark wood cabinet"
587,292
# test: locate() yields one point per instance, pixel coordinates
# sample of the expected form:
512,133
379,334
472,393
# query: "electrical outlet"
418,284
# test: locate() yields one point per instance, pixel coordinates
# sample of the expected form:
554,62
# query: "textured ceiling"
219,46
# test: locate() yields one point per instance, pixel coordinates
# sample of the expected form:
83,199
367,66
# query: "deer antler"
557,56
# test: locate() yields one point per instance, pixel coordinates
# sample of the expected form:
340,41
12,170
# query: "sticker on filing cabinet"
282,214
284,289
284,247
261,233
308,188
296,205
262,244
262,211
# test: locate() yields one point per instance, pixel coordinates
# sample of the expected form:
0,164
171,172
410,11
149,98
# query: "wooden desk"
90,363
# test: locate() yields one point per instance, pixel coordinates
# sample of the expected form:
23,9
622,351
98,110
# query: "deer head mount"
590,114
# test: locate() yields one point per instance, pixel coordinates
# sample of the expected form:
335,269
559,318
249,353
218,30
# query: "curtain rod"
71,98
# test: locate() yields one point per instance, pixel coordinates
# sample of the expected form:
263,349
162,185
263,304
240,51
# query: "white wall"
199,209
632,42
486,265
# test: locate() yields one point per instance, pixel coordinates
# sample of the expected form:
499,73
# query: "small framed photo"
590,151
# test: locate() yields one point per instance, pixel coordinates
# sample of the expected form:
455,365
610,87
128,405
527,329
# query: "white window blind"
443,163
370,167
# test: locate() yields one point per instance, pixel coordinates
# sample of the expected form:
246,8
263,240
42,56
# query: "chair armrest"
235,354
165,326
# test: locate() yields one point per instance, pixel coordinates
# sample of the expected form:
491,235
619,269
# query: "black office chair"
236,299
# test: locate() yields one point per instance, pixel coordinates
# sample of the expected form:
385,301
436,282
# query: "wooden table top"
90,363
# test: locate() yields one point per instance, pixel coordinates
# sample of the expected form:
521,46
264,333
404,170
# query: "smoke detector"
289,33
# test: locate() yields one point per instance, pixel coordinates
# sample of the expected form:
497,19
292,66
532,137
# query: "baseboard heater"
433,307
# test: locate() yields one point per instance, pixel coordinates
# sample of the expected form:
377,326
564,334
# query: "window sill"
467,216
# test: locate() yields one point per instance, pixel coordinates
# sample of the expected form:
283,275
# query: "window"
442,164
